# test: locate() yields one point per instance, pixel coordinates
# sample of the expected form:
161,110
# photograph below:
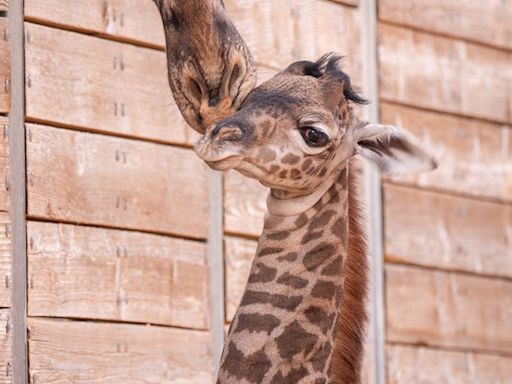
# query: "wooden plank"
105,274
338,29
277,32
85,352
5,66
474,156
485,21
443,74
104,86
238,254
5,260
244,204
448,309
88,178
443,231
430,366
125,19
4,164
5,347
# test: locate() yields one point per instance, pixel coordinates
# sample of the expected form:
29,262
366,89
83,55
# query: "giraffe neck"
283,331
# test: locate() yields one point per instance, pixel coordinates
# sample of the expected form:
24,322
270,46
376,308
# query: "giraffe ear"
395,151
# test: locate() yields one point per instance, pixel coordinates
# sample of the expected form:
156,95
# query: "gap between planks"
117,38
445,113
444,35
103,226
111,321
448,192
433,347
92,130
428,268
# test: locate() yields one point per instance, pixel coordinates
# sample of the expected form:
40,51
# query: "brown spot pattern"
255,322
290,159
316,315
278,235
253,367
289,303
294,340
293,377
291,256
292,281
269,251
262,274
324,290
318,255
334,268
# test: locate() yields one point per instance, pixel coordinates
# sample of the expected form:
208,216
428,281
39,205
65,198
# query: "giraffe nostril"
227,131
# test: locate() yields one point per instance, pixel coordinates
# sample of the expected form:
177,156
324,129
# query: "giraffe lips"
225,163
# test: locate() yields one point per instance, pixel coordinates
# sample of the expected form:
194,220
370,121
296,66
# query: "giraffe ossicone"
302,315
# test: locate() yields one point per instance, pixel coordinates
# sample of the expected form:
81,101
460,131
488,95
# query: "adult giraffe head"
210,68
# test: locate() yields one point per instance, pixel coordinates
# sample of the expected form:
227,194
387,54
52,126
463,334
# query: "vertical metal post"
216,265
18,206
373,194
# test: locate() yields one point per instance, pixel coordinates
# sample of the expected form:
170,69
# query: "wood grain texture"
443,231
448,309
104,86
279,32
410,365
5,260
244,204
88,178
485,21
104,274
5,65
443,74
475,158
125,19
4,165
5,347
84,352
238,255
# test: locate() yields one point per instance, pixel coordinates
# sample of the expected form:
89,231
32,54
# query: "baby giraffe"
302,316
301,319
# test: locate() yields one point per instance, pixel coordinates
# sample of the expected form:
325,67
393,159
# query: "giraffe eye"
314,137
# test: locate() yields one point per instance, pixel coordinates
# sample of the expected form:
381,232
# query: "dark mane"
350,328
332,64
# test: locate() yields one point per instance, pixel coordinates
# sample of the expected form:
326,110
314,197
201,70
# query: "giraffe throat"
284,329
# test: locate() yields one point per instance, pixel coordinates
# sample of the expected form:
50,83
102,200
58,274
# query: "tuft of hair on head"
332,64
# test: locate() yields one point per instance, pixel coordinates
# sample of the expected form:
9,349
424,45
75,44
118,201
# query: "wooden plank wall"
117,202
117,260
445,75
5,233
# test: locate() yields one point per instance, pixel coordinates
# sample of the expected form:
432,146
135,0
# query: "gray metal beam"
373,194
16,137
